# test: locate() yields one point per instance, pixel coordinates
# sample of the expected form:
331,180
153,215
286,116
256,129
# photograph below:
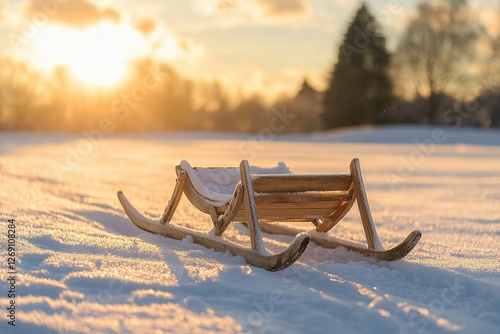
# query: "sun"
97,56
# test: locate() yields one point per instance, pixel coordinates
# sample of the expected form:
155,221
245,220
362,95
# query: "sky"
265,46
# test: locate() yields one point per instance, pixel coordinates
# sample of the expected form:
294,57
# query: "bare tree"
435,51
18,92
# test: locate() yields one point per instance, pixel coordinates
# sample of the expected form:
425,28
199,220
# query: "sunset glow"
229,64
98,55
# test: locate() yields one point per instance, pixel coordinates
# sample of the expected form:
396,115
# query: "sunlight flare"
98,56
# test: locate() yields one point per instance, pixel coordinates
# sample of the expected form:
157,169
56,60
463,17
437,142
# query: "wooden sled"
260,197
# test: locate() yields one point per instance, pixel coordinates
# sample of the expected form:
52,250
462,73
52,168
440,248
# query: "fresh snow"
218,184
83,267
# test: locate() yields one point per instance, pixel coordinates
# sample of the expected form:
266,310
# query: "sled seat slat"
296,206
312,204
287,213
301,183
304,198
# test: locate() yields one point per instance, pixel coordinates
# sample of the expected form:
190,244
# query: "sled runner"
259,196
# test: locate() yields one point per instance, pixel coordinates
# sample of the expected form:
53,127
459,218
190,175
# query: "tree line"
444,70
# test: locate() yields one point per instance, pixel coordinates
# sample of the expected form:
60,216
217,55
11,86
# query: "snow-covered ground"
83,267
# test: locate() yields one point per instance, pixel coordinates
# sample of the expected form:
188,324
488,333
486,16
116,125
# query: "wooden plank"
301,207
250,209
299,183
272,262
174,200
364,209
316,200
287,213
325,240
319,197
231,211
308,206
215,168
343,209
196,199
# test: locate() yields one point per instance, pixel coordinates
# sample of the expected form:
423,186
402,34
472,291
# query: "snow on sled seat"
259,196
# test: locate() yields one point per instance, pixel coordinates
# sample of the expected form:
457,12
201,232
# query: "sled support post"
364,209
251,208
232,209
174,200
338,214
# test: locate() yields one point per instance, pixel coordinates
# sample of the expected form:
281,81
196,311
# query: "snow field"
85,268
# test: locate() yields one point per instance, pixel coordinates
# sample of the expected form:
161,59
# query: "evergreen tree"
307,107
307,92
359,87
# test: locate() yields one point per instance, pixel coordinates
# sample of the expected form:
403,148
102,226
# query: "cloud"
145,26
230,13
77,13
284,9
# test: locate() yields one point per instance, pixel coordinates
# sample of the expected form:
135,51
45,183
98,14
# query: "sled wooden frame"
258,199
